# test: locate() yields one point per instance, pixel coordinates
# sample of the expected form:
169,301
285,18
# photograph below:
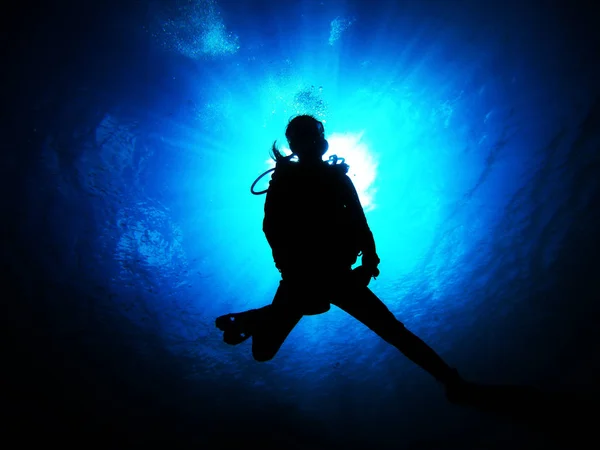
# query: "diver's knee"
262,355
399,324
392,322
399,328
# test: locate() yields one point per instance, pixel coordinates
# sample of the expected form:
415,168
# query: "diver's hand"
363,275
374,272
370,263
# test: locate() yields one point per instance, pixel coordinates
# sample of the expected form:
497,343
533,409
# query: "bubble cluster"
338,26
310,101
195,29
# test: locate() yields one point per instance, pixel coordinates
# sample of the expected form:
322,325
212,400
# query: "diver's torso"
317,217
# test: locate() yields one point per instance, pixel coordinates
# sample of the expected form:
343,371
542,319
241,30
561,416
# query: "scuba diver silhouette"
317,229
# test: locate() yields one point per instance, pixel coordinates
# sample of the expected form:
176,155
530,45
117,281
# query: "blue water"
135,129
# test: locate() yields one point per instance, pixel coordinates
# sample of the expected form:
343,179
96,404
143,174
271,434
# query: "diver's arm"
273,225
270,224
366,239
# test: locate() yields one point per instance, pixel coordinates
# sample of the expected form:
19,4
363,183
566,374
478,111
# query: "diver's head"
306,138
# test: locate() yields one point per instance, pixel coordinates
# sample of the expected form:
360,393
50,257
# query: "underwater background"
131,132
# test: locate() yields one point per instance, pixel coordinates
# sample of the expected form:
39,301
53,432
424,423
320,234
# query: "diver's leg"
366,307
274,325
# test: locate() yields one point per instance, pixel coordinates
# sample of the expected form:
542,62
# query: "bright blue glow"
363,171
425,135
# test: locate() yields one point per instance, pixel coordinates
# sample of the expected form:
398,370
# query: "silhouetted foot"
236,327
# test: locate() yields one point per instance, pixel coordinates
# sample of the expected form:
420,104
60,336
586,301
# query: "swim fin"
236,327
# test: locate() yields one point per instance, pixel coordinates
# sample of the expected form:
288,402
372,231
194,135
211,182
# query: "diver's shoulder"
338,170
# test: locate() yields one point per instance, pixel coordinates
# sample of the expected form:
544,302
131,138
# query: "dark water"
109,297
